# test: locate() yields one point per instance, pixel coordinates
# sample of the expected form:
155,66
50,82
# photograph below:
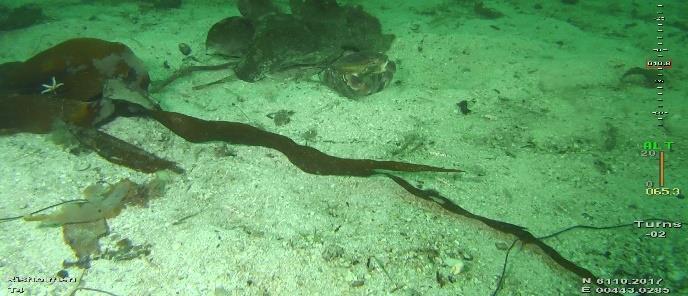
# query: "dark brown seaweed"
520,232
308,159
121,152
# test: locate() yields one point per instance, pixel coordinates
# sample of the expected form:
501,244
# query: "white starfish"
51,87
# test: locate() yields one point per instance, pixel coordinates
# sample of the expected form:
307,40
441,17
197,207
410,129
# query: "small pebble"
457,267
501,246
62,274
441,278
221,291
463,107
332,252
415,27
185,49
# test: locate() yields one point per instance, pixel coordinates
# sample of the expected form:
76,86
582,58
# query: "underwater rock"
184,48
321,9
254,9
166,4
314,35
463,107
359,74
21,17
347,27
230,37
282,41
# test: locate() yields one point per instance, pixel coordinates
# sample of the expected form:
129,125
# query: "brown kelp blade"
521,233
308,159
120,152
27,113
38,113
80,65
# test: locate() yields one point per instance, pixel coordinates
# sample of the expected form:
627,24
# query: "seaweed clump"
84,221
81,65
79,69
101,203
23,108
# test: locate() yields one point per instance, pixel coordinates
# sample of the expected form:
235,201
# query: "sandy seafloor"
553,140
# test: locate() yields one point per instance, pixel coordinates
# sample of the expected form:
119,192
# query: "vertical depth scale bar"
661,168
